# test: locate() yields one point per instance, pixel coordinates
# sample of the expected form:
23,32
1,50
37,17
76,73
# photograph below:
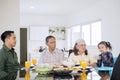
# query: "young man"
8,58
51,55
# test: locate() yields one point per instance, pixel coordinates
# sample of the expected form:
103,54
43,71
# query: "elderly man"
8,58
51,55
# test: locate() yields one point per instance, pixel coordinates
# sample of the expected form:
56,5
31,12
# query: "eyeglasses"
81,45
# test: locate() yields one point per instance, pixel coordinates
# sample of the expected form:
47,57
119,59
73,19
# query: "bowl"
43,69
43,77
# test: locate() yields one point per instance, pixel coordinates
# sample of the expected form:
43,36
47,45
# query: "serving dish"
62,71
43,77
43,69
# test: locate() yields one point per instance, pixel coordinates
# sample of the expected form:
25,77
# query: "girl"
106,57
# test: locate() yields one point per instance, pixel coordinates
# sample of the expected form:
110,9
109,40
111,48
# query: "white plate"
81,67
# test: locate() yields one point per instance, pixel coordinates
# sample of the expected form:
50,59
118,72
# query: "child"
105,58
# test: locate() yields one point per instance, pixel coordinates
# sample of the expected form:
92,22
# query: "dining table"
74,75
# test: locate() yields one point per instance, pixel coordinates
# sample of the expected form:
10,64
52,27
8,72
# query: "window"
86,33
75,34
90,32
95,33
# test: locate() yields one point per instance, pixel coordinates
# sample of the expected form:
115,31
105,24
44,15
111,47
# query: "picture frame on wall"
58,32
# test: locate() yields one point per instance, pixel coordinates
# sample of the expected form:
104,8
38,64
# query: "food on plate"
62,71
75,68
62,68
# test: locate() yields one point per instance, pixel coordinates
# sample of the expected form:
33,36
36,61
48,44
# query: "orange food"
74,68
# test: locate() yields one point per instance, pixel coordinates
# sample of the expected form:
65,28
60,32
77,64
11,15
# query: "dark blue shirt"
106,59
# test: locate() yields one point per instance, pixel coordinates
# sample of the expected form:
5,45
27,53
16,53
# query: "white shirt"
76,58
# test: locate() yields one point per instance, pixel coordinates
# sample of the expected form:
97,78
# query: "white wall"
106,10
37,20
36,38
10,19
27,20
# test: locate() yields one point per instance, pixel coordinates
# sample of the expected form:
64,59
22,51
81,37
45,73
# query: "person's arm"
93,62
3,74
109,60
99,61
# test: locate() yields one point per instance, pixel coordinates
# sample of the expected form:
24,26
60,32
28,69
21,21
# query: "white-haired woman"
80,53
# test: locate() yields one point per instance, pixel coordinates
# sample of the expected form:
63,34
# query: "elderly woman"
80,53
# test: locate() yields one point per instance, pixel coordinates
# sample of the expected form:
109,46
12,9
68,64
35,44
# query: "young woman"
106,57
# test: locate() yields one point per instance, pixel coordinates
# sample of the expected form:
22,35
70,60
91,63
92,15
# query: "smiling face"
81,46
102,48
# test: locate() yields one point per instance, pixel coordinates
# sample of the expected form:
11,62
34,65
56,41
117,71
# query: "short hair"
80,40
49,37
6,34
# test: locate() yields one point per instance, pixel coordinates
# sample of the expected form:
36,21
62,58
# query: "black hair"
107,44
6,34
75,50
49,37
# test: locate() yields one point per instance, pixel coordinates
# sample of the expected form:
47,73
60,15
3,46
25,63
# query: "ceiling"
54,7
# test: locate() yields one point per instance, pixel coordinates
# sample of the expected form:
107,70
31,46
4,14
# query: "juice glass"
34,61
84,65
81,62
27,76
27,64
83,76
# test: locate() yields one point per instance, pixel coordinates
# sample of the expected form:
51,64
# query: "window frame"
81,34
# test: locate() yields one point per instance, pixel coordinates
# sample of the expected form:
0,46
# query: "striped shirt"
56,57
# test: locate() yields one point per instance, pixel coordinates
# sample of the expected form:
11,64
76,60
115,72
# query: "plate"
62,71
80,67
86,71
59,72
31,68
75,68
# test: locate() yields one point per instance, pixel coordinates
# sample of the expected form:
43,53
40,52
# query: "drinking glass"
27,76
34,61
83,76
81,62
84,65
27,64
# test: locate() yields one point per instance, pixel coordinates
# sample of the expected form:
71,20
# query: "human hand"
99,57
